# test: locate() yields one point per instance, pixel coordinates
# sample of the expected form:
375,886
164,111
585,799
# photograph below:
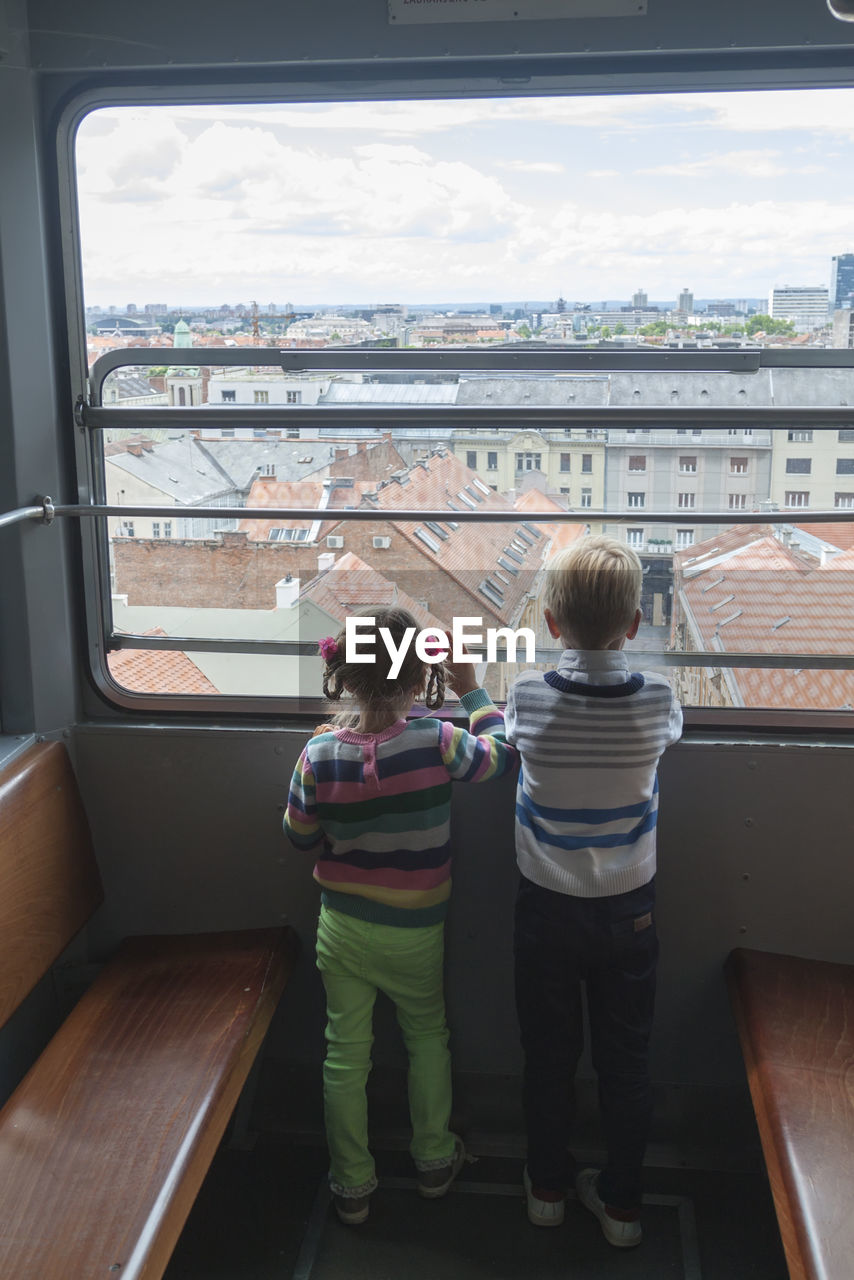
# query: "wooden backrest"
49,880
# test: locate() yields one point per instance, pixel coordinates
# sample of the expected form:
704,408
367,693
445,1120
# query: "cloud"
532,166
746,164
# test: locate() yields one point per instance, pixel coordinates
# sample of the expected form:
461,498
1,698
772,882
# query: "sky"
588,198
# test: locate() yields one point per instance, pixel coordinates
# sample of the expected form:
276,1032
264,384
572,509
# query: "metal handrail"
47,510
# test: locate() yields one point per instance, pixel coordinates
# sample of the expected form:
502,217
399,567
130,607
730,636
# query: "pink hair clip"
328,647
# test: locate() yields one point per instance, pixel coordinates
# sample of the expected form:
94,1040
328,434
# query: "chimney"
135,449
325,561
287,592
341,453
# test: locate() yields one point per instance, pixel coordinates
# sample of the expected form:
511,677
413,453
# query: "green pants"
357,959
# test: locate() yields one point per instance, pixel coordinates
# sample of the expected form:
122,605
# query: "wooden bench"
104,1144
796,1023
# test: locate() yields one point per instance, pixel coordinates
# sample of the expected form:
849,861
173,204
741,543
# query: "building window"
697,432
845,466
843,500
587,497
261,397
800,437
529,462
492,461
155,528
565,490
845,435
565,461
798,466
687,465
471,459
634,537
738,466
292,433
686,499
587,463
228,397
737,501
797,498
636,499
293,397
126,529
684,538
637,462
744,432
167,529
269,469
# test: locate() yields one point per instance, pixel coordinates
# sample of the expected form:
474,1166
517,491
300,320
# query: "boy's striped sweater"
589,736
380,804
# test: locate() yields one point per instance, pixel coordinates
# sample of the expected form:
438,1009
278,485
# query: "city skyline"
524,197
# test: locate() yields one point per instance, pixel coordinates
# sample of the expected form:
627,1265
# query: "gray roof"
390,393
650,389
242,460
177,468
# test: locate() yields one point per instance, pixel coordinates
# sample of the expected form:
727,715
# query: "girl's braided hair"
369,682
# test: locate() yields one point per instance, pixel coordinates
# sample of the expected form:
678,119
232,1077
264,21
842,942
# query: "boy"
590,735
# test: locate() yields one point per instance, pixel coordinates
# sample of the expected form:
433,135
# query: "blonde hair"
593,591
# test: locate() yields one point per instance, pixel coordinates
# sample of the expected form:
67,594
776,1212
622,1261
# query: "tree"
523,331
604,332
768,324
620,328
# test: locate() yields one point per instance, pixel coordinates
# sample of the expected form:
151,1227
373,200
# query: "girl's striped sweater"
380,805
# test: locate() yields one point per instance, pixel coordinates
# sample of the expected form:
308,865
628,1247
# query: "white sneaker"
622,1234
543,1213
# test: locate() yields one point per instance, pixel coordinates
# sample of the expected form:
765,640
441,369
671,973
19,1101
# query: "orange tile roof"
350,585
561,535
841,534
297,493
470,553
745,592
157,670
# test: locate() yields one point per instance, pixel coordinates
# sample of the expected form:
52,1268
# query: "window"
845,435
126,529
843,500
845,466
798,466
155,528
346,392
167,529
797,498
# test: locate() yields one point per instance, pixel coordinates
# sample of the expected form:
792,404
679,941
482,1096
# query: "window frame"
91,485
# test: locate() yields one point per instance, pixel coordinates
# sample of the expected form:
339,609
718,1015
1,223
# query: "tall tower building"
640,300
842,281
686,301
805,305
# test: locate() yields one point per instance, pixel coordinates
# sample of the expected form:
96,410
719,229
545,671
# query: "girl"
375,795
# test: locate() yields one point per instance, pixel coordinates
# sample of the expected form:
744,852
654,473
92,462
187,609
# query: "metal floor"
264,1214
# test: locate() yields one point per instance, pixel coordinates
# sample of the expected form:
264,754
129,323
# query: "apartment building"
813,468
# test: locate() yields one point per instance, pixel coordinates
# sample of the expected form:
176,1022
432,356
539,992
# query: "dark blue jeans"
611,945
